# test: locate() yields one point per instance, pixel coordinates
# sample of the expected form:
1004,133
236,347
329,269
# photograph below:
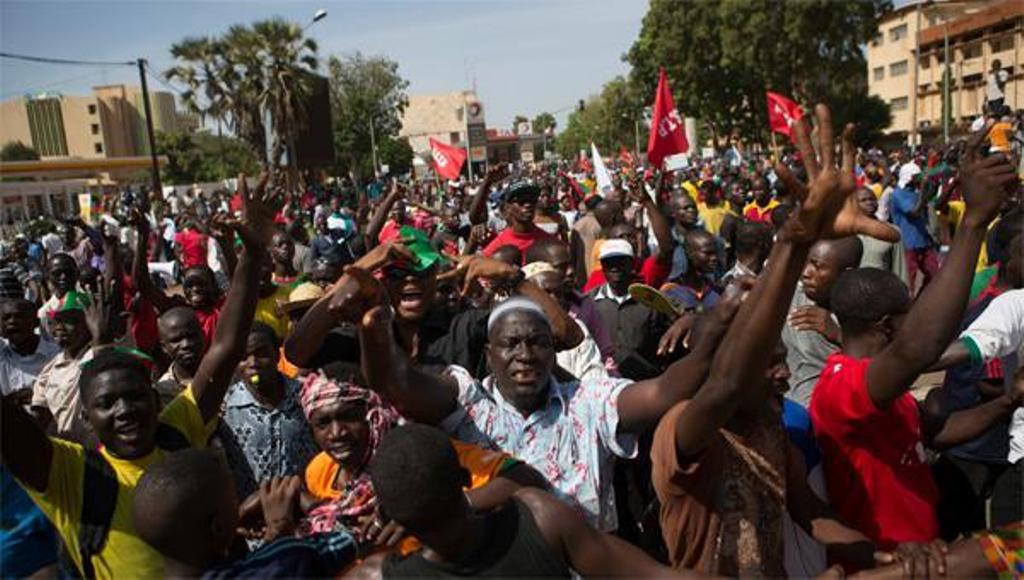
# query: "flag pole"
775,148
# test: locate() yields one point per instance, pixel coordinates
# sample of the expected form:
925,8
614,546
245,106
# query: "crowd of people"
797,366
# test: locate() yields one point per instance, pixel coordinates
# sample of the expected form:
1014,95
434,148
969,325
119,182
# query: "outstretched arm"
478,205
660,225
935,316
586,550
218,365
140,265
25,449
418,395
381,215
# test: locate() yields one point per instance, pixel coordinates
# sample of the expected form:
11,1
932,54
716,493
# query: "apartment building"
906,61
108,123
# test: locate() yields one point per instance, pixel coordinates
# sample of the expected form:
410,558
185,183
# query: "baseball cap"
615,248
519,189
72,301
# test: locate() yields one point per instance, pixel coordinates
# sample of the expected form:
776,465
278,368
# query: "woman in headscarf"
348,422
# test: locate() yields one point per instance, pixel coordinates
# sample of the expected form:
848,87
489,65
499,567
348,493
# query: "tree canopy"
18,151
201,157
722,55
364,90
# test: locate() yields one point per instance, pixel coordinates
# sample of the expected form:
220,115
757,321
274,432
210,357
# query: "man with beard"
570,432
181,337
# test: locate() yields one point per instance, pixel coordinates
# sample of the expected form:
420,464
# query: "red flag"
782,113
667,137
448,160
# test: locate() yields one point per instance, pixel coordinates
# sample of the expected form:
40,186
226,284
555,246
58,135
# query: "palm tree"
247,76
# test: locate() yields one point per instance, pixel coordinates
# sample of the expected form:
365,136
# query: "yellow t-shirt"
713,216
124,554
267,312
957,208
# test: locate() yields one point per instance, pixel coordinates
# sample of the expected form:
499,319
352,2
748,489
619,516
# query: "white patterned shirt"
572,441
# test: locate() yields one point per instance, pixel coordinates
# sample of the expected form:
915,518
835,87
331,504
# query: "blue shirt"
261,443
913,229
28,541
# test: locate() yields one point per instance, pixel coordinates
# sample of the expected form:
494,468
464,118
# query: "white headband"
515,304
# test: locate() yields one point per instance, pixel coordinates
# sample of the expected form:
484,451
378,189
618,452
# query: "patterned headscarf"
357,497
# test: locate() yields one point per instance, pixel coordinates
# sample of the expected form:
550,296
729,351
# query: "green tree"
18,151
543,122
396,154
722,55
202,157
609,120
365,90
253,78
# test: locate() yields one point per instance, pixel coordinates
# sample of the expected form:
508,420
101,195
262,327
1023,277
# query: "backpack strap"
99,498
170,439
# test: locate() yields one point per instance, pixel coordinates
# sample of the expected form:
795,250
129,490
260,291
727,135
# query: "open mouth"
526,375
411,298
128,431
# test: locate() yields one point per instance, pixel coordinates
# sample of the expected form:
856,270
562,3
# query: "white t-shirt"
998,332
995,79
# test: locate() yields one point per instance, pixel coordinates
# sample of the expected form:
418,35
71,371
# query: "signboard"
85,206
477,141
526,156
524,128
478,153
476,113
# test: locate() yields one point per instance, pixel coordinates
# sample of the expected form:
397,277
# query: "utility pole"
469,152
373,148
149,129
947,104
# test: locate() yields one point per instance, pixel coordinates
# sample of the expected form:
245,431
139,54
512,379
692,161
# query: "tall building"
906,61
108,123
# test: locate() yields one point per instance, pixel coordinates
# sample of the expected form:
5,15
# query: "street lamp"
317,17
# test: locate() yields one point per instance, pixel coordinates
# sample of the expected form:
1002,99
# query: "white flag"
604,179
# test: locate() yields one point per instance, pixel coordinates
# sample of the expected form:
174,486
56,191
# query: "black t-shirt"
444,340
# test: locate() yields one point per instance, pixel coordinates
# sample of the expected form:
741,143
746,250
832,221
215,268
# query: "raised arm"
418,395
222,233
478,205
935,316
566,332
140,265
24,449
380,216
218,365
825,211
662,230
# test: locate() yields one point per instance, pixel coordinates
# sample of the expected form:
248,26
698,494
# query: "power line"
65,61
162,81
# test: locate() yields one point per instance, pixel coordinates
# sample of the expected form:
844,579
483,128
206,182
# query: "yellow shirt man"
268,313
713,216
124,555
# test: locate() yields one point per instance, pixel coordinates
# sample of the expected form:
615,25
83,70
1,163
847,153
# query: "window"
898,104
92,109
454,137
95,127
98,147
876,40
925,61
972,79
1001,44
879,73
971,50
897,33
898,68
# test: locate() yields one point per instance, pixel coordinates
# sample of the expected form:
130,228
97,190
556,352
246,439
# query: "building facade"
906,62
108,123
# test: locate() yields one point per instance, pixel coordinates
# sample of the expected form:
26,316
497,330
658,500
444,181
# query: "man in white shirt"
994,96
23,354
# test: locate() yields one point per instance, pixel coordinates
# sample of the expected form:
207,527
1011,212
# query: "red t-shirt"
193,248
522,241
208,321
873,459
143,320
649,272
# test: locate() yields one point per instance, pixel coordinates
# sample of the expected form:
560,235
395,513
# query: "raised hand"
828,208
985,181
258,207
100,312
387,253
496,173
356,292
472,268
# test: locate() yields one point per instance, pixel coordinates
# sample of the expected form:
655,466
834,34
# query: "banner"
448,160
667,137
782,113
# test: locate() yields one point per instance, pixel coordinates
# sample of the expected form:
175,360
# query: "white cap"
615,248
907,173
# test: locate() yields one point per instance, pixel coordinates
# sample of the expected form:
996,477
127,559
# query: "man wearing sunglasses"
518,206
